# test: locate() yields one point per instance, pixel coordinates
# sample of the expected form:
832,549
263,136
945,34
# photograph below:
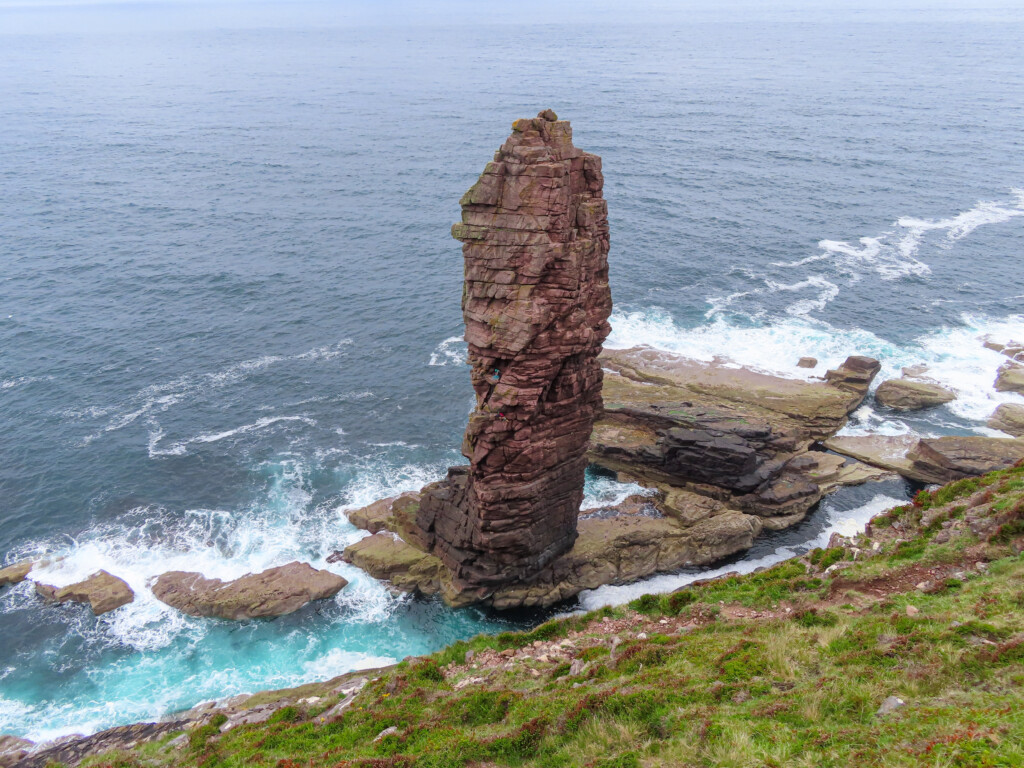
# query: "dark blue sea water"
229,301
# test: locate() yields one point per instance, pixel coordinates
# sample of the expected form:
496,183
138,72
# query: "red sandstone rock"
536,307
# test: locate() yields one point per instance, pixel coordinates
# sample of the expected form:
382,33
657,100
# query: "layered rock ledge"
932,459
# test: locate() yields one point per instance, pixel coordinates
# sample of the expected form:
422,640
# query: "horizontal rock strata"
954,457
727,451
935,459
102,591
536,303
273,592
722,430
608,550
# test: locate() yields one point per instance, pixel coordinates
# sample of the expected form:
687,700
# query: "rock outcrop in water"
273,592
102,591
725,432
908,394
536,304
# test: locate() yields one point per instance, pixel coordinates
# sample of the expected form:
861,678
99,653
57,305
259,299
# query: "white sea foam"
19,381
893,254
337,661
846,523
605,492
180,447
451,351
955,357
826,291
155,399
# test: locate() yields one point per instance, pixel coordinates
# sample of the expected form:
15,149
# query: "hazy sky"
28,16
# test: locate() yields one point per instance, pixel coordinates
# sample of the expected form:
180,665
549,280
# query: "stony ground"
903,647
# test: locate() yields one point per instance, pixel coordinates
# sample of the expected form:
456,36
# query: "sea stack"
536,303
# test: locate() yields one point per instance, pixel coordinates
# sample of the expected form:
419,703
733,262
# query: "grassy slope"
782,668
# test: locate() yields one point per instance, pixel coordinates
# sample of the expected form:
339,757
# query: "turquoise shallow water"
229,302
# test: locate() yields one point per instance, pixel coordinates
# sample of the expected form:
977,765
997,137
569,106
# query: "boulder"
807,362
15,573
854,375
911,395
273,592
954,457
1008,417
536,303
1010,378
103,591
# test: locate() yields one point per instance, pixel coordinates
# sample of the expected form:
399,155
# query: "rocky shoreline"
940,543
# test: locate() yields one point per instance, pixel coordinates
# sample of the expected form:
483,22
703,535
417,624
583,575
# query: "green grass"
799,686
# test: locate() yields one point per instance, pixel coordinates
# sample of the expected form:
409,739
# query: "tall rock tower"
536,304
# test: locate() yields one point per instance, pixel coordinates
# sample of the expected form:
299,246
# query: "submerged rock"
1008,417
15,573
909,395
536,303
103,591
273,592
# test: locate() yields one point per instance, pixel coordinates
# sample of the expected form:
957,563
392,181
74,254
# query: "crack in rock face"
536,304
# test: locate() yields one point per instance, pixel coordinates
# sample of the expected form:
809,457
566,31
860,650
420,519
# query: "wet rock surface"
536,305
102,591
15,573
273,592
910,394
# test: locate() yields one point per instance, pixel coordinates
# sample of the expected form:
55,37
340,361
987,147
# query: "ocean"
229,300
